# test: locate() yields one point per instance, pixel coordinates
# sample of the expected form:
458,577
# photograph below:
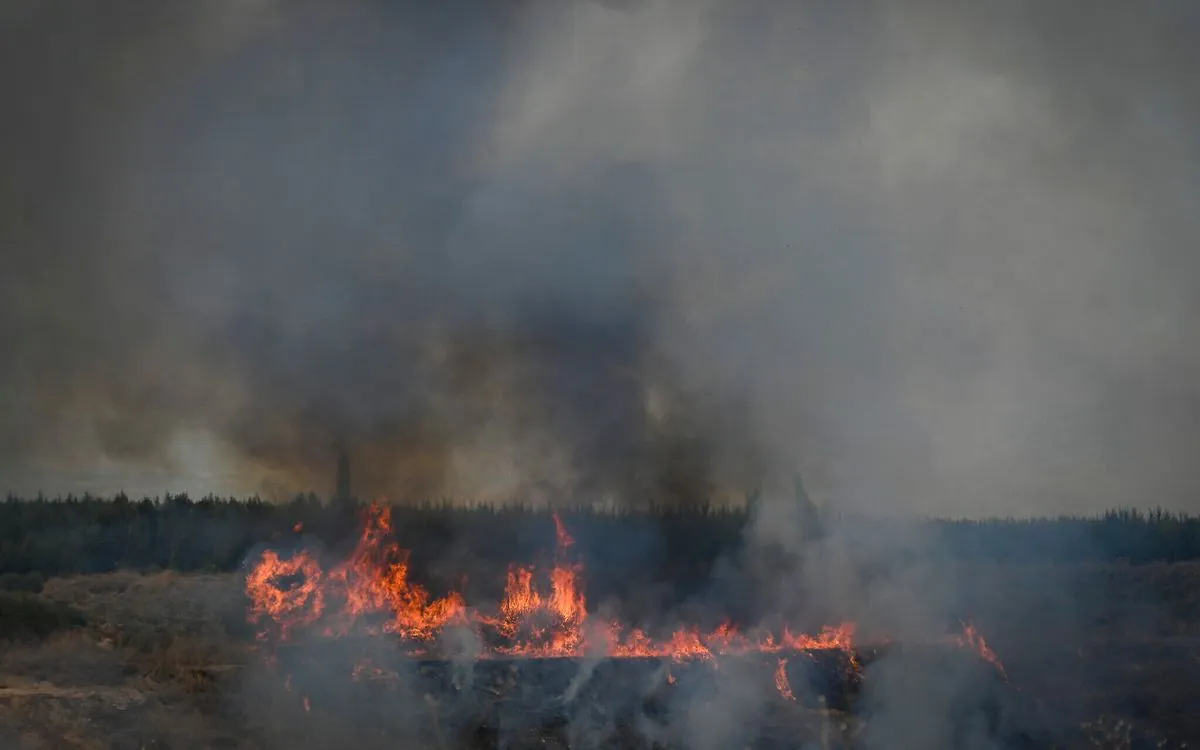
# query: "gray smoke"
937,259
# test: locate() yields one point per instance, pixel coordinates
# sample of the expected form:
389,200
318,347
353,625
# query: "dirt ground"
167,661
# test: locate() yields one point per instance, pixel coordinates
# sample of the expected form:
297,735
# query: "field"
1097,653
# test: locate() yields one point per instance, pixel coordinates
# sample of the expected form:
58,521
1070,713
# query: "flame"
781,680
726,640
543,612
542,625
972,639
289,605
370,590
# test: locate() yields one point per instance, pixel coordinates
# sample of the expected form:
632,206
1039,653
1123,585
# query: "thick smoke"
299,240
938,259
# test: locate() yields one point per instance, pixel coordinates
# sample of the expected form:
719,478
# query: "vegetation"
28,616
50,537
164,659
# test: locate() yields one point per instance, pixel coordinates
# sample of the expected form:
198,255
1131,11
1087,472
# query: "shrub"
25,615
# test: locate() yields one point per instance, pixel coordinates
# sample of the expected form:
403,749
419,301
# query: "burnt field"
676,633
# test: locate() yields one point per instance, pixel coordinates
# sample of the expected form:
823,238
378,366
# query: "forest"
90,534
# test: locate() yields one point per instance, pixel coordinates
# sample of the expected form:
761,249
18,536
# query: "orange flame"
542,625
370,593
372,584
972,639
290,606
561,536
781,680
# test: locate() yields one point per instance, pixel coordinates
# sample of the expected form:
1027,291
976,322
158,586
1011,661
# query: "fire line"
370,594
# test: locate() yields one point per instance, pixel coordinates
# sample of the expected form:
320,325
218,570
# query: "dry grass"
139,668
155,661
27,616
166,627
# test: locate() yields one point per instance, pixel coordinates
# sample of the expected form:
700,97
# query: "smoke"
937,260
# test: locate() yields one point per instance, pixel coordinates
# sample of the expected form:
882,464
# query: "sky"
939,258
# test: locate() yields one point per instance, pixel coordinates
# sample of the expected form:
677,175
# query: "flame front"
537,625
370,593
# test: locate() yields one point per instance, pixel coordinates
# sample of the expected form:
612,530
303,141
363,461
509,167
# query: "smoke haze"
939,260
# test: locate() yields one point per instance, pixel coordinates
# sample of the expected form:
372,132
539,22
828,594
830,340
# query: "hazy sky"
941,257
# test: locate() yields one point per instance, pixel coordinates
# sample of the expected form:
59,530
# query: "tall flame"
369,591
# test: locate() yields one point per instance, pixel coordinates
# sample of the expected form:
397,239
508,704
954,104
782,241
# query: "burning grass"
166,661
371,593
350,649
542,635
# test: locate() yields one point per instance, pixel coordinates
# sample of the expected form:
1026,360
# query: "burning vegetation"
370,636
542,615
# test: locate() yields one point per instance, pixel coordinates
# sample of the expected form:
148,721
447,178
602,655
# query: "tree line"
89,534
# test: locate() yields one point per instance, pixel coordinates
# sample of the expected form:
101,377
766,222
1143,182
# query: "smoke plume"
938,259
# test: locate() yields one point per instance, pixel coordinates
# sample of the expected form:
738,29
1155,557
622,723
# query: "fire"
560,534
540,625
781,680
288,606
370,591
543,612
374,582
972,639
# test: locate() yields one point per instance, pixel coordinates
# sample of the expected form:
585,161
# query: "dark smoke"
287,240
938,260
